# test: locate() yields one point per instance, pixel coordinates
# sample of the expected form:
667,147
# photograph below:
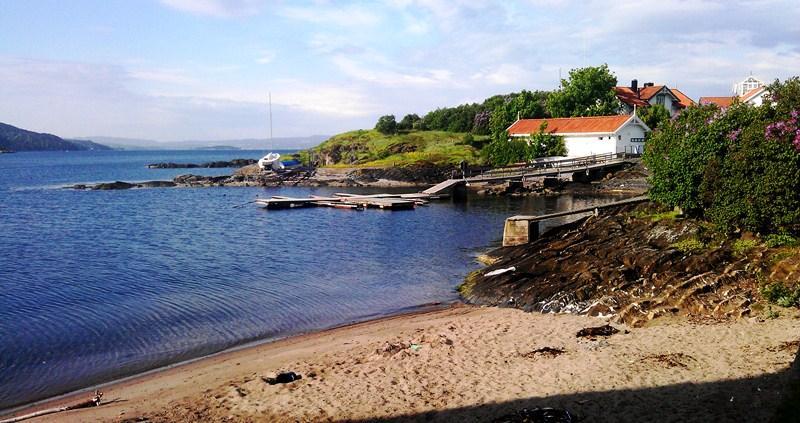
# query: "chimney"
649,84
635,86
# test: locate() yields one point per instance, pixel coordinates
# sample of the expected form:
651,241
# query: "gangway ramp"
443,186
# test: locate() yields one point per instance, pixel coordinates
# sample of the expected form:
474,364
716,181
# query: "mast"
270,120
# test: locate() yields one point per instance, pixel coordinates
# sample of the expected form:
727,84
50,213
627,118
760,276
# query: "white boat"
270,161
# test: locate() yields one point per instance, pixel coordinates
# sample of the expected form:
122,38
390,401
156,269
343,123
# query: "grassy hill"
370,148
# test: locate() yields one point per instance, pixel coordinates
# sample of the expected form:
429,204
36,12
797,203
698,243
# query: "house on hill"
755,97
585,136
650,94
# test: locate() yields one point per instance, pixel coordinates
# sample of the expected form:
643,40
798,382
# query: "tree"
501,152
525,105
408,121
386,125
654,115
589,91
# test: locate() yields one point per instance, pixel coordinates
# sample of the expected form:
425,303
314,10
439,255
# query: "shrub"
781,240
778,293
739,168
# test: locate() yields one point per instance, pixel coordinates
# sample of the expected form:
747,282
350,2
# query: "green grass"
689,246
657,217
370,148
742,246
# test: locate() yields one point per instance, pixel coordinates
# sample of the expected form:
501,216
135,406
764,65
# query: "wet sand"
475,364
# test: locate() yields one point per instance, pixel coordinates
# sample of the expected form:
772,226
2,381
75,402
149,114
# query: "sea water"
97,285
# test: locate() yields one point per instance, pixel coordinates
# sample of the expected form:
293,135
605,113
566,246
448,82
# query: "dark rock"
156,184
113,186
605,330
285,377
216,164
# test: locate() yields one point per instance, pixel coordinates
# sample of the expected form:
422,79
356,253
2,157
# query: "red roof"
574,125
647,92
628,96
722,102
683,99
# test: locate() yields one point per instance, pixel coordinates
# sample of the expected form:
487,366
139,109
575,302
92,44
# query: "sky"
174,70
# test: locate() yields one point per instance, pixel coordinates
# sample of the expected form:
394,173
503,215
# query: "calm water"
99,285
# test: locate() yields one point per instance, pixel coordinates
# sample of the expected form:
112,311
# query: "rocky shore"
209,165
635,263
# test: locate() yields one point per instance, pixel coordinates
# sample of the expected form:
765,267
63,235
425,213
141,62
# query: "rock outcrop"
627,264
217,164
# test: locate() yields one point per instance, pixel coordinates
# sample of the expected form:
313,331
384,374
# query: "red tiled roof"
752,93
646,93
628,96
591,125
683,99
722,102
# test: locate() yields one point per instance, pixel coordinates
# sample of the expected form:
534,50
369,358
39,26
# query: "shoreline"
475,364
79,394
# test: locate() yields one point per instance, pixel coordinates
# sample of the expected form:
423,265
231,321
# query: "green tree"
525,105
386,125
589,91
654,115
408,121
503,151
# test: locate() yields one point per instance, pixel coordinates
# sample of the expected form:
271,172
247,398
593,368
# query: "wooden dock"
352,201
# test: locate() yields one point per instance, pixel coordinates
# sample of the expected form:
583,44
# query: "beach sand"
470,363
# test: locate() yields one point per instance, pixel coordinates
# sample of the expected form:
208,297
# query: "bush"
778,293
781,240
739,168
503,151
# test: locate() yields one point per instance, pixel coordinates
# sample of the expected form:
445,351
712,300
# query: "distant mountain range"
282,143
16,139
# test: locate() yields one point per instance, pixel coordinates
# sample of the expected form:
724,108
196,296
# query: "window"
637,139
660,99
619,137
600,138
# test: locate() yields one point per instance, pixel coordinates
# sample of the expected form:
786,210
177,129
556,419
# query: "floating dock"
352,201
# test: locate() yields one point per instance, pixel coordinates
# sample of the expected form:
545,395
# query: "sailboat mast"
270,120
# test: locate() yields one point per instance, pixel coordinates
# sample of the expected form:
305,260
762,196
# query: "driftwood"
92,402
606,330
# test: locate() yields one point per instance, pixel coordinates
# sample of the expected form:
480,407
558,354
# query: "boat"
272,161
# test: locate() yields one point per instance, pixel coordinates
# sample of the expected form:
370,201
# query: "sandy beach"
476,364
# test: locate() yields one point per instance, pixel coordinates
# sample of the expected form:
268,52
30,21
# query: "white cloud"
217,8
266,57
344,16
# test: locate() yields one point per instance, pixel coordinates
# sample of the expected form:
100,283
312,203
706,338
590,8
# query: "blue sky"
202,69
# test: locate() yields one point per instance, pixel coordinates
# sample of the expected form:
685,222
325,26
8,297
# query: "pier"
521,230
577,168
353,201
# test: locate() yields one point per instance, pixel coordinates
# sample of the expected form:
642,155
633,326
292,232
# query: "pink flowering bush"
739,168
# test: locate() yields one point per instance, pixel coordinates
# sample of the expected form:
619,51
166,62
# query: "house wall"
669,103
632,140
757,100
578,146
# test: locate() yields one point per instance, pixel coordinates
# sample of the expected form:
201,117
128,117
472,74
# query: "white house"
585,136
754,97
748,84
650,94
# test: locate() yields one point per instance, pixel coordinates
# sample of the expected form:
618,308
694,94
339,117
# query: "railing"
572,164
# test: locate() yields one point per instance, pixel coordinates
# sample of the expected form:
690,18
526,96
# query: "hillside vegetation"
17,139
370,148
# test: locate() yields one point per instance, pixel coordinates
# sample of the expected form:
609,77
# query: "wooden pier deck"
352,201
